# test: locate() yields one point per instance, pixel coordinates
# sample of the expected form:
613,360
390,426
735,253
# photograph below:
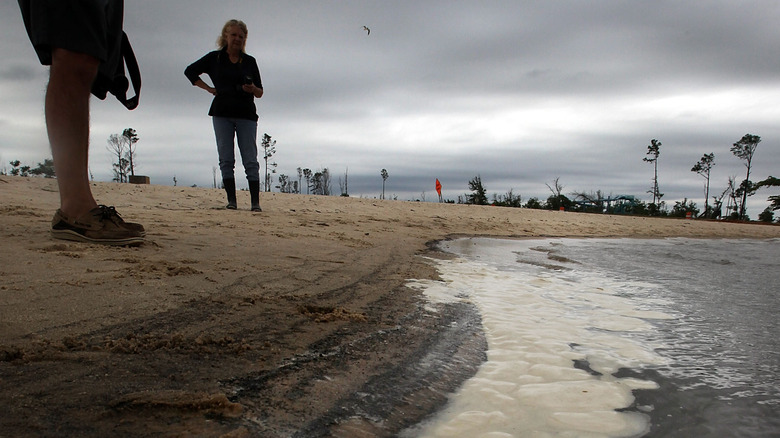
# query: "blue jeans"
226,129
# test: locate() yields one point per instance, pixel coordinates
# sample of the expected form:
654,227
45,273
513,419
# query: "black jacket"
228,78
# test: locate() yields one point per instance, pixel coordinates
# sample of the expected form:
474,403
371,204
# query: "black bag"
117,83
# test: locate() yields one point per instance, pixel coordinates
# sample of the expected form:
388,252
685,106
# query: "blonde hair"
222,39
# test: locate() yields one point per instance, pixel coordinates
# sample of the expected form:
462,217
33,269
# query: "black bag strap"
135,76
118,84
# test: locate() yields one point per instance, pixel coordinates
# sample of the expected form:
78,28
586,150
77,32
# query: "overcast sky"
518,92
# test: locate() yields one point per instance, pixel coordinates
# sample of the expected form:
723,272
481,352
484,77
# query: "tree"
556,188
320,182
116,145
308,176
123,148
556,202
654,150
508,200
46,169
590,202
534,204
717,202
130,138
344,185
325,182
767,215
269,148
286,185
744,150
681,209
629,206
746,188
18,170
732,204
771,182
558,199
120,170
479,195
300,176
703,168
385,175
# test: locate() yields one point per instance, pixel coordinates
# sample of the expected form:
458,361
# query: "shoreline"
291,322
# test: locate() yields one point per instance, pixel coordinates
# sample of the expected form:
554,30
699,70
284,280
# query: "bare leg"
67,123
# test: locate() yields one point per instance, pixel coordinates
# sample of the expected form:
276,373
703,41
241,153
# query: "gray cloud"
15,73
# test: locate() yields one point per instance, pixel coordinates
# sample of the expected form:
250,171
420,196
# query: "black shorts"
92,27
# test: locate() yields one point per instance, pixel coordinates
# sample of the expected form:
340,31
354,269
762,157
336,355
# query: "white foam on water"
537,324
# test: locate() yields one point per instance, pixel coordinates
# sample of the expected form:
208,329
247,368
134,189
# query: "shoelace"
109,213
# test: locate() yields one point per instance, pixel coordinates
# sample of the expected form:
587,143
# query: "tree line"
45,169
730,204
735,194
598,202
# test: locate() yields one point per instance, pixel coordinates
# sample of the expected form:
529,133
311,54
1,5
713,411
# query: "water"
616,338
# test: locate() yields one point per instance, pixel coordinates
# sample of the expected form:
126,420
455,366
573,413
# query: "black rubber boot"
230,189
254,194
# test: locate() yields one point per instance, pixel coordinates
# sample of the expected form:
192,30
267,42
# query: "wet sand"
291,322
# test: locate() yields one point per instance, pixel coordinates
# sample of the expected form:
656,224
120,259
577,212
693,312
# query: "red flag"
438,186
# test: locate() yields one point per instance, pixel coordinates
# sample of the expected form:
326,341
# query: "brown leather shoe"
129,225
100,225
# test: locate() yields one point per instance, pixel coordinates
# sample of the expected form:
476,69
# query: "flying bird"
367,30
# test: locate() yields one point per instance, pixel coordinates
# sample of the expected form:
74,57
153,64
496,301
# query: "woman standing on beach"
237,84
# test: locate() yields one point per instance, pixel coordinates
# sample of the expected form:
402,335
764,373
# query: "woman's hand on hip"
202,85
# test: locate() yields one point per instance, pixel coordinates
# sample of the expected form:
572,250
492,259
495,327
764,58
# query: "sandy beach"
291,322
